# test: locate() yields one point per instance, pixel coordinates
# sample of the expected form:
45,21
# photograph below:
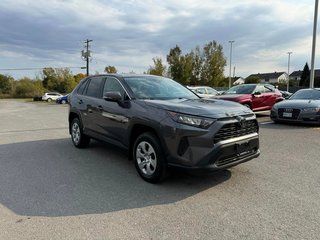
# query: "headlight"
310,110
191,120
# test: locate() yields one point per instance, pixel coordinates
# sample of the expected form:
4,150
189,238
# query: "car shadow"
53,178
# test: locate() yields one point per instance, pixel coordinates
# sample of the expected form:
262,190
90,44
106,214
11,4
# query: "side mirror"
257,93
112,96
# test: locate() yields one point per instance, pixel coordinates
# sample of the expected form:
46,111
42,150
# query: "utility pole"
314,43
289,53
230,62
86,55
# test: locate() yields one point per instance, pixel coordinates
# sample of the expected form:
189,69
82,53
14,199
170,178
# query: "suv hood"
213,108
298,103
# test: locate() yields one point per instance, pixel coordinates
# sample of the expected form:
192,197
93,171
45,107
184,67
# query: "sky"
128,34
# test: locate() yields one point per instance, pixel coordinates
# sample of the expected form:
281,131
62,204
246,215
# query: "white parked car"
50,96
204,91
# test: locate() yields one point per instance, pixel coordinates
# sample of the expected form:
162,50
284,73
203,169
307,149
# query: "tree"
110,69
158,69
197,65
174,60
65,80
201,66
78,77
213,64
252,79
59,79
186,62
26,87
305,76
48,77
6,84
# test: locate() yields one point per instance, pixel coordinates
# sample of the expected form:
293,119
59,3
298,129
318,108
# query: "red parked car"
257,97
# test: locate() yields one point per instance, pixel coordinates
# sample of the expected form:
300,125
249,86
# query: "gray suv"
161,123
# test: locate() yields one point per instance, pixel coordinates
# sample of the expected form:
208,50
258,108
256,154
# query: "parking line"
264,123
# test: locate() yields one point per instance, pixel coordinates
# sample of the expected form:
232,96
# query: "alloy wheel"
146,158
76,134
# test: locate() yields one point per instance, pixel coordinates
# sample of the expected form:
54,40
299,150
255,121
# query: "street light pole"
231,42
314,43
289,53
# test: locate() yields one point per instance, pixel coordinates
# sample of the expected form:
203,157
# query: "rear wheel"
78,138
49,100
63,101
148,158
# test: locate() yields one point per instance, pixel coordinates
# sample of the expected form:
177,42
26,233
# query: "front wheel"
148,158
78,138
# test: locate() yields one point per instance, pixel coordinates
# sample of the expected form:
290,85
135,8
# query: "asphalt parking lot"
51,190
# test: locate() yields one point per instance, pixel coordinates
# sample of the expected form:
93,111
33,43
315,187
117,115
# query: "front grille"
295,113
232,130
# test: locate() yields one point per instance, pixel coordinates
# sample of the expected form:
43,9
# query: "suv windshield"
154,87
241,89
306,94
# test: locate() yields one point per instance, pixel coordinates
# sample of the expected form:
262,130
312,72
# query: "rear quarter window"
82,87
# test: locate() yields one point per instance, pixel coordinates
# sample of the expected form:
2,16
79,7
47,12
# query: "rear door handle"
100,108
80,101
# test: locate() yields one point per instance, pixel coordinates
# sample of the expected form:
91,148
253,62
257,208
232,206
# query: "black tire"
151,164
78,138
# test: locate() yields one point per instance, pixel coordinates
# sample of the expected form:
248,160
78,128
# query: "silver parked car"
302,106
204,91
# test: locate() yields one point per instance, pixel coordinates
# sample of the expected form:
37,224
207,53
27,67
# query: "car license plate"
242,148
287,114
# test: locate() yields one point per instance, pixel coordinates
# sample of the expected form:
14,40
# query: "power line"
35,68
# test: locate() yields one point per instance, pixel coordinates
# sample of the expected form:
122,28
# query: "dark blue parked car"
63,99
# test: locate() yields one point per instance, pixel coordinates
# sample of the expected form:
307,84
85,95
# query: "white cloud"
128,34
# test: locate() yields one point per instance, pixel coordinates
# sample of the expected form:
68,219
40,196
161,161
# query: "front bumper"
227,155
209,149
297,116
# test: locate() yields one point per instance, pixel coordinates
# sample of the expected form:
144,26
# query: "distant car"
302,106
257,97
49,96
37,98
204,91
63,99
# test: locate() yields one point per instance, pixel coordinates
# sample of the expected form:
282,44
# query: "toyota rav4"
161,123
